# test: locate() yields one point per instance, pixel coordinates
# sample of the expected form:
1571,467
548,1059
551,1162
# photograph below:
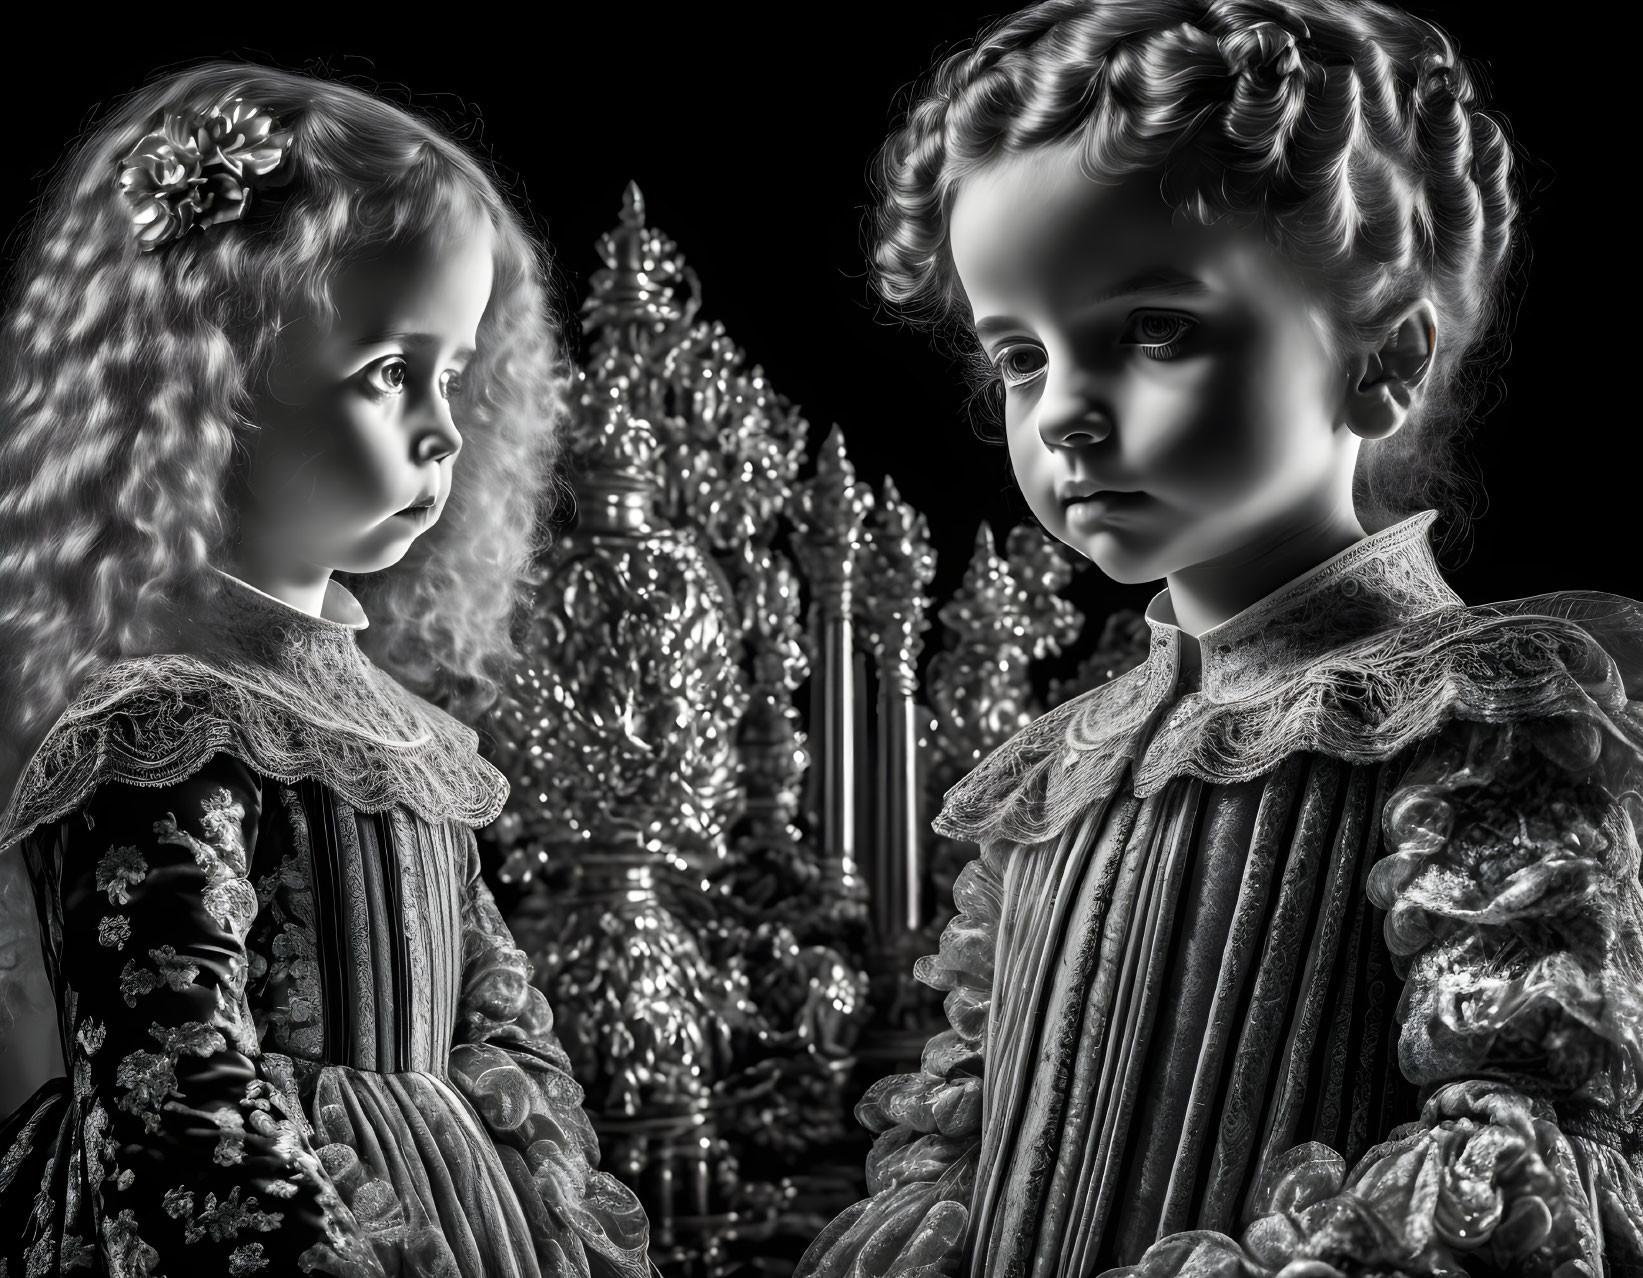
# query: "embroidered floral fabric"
173,1145
1331,959
299,1036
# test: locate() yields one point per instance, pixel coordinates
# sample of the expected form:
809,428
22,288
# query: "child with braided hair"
259,317
1313,946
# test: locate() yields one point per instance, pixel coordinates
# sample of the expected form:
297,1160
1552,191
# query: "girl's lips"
1085,514
1105,497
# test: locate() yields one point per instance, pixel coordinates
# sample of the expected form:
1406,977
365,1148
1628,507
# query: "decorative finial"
644,274
831,509
990,601
633,205
897,565
979,684
626,449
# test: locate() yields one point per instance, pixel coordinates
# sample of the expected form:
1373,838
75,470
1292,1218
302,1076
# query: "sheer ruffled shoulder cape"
291,699
1513,911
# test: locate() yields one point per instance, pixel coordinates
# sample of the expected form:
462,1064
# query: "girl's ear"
1383,384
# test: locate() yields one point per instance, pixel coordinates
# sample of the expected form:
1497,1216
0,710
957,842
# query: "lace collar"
288,692
1384,580
234,620
248,609
1356,660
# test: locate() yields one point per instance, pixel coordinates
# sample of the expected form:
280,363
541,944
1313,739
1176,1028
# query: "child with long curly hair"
1312,946
267,332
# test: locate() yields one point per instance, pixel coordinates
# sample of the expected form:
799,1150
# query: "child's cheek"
1182,426
1034,467
282,468
362,453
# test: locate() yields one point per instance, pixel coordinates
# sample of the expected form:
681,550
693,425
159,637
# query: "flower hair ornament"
199,168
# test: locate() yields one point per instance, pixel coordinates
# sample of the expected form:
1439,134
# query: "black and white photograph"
920,640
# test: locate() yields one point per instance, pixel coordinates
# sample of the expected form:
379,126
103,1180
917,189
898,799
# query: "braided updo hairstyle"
1347,132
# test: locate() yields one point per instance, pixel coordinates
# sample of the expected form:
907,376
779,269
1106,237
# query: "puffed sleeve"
1515,915
922,1168
508,1063
197,1160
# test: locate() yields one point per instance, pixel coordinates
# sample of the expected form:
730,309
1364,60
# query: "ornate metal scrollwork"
694,928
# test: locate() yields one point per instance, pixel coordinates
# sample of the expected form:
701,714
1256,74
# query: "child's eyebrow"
1160,281
1165,280
411,339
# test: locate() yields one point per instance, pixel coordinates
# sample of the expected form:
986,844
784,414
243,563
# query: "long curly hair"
126,380
1349,133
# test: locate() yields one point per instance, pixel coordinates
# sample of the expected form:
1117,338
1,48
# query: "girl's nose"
1072,421
1069,411
440,441
438,437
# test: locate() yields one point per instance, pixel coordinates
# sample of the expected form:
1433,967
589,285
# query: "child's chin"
373,558
1128,574
1126,570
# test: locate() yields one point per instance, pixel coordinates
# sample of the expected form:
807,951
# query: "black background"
751,136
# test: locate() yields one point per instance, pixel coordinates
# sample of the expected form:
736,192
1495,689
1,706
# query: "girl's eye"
450,384
1019,364
1158,334
387,376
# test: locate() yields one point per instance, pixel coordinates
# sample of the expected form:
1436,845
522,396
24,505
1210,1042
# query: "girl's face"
355,419
1174,367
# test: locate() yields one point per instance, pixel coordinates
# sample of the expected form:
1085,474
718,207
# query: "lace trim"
1383,581
1380,582
288,693
1578,652
1017,793
1366,703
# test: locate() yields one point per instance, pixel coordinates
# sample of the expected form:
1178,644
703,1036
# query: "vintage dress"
299,1036
1351,881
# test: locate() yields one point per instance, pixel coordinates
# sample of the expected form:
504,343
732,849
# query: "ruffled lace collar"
288,692
1355,660
1384,580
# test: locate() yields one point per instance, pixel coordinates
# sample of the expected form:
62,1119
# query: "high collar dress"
299,1037
1317,938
